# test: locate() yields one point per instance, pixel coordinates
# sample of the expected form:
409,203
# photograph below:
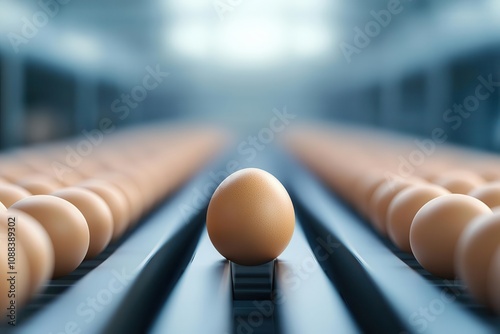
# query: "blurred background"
66,65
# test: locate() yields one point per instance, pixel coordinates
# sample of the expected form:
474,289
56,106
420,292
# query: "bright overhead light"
10,15
190,40
251,41
311,41
256,33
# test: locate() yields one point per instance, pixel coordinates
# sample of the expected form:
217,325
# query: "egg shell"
70,179
488,193
436,228
131,192
36,244
15,171
381,199
403,209
97,214
492,283
250,218
11,193
364,190
459,182
66,227
116,201
39,184
475,250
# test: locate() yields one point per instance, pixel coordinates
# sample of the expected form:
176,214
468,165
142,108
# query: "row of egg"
65,205
445,216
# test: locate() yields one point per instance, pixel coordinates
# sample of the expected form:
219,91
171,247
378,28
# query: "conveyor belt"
336,276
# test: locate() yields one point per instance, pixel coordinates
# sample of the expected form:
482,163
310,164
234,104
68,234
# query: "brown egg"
36,244
66,227
475,251
14,288
116,201
488,169
436,228
488,193
97,214
143,183
14,171
381,199
403,209
492,283
131,192
364,190
250,218
70,179
459,182
89,168
39,184
11,193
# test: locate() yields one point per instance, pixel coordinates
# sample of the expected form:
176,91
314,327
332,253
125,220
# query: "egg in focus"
250,217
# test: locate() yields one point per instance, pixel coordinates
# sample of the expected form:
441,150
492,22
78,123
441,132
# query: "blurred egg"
364,190
492,284
116,201
381,199
403,209
39,184
2,180
36,245
97,214
488,168
488,193
459,181
14,171
436,228
11,193
250,218
130,190
66,227
17,290
475,250
70,179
